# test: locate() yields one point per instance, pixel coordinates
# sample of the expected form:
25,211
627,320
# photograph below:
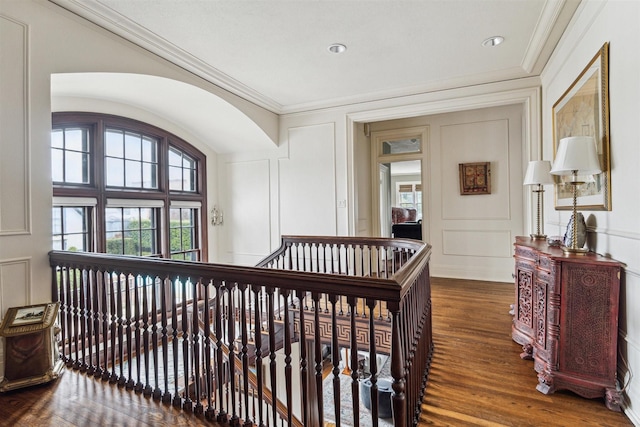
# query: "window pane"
183,232
175,158
74,220
175,243
187,183
57,243
131,218
75,139
409,145
187,238
113,219
406,198
114,143
147,242
74,167
149,175
147,215
56,138
115,172
132,231
114,243
175,178
187,162
192,181
133,174
57,165
132,146
132,242
149,152
70,228
70,155
56,220
75,243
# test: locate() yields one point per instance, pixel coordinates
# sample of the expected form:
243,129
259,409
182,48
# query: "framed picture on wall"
475,178
583,110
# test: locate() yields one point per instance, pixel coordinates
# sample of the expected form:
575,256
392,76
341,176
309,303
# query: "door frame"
379,158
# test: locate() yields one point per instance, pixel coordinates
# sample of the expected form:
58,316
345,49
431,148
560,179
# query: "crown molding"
544,27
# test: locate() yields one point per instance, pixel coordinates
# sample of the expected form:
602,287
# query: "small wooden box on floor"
31,353
566,318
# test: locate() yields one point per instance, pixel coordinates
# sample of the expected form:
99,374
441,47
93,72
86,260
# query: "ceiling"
274,53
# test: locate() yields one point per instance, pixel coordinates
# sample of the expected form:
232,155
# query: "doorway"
397,159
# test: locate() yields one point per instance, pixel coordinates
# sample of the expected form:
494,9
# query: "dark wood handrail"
388,289
106,303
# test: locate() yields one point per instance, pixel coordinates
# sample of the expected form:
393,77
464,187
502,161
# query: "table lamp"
576,155
538,174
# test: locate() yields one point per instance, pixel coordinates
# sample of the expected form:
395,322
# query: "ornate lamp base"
576,251
538,236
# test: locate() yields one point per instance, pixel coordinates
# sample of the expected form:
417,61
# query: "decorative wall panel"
477,243
15,283
307,182
246,211
14,129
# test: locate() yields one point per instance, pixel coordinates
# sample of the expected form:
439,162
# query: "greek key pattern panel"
382,332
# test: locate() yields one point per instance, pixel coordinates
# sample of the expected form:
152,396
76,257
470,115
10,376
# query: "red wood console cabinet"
566,318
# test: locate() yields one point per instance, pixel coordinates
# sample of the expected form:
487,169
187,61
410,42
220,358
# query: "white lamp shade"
576,153
538,172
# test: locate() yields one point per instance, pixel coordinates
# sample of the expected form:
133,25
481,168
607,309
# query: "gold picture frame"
475,178
583,110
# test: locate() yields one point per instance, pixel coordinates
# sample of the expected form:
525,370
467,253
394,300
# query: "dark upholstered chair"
400,215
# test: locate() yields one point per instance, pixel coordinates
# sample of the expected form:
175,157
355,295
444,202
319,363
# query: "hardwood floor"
477,379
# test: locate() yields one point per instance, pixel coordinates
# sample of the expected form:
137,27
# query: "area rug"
346,404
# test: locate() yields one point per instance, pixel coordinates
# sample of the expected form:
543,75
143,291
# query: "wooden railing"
248,345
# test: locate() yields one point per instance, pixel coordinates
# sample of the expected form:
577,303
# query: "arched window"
121,186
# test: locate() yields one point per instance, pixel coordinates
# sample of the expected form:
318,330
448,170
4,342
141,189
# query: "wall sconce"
538,175
576,155
216,216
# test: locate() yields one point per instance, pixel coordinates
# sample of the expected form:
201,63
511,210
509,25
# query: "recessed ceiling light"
337,48
493,41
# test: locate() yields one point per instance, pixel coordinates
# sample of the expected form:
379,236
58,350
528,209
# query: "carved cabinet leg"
545,383
527,352
613,399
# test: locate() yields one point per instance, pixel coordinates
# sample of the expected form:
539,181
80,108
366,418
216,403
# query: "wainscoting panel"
14,129
483,141
307,182
246,212
15,289
480,243
15,283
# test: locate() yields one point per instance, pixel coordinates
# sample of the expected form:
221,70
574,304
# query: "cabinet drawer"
523,252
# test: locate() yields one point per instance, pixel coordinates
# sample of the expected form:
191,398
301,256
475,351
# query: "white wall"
615,233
